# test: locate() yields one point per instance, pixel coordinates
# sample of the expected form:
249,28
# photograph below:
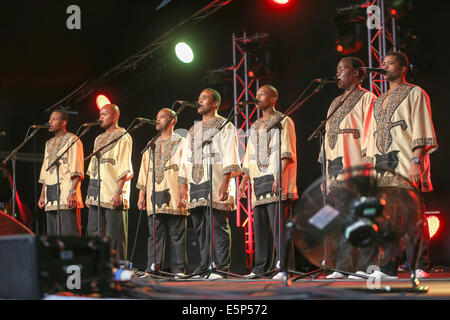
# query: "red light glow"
281,1
339,48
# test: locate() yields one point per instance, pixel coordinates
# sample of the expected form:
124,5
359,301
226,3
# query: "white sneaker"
251,275
278,276
422,274
362,273
335,275
180,275
381,275
214,276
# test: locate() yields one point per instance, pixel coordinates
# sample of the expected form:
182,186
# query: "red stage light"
101,100
393,12
339,48
281,1
251,74
433,225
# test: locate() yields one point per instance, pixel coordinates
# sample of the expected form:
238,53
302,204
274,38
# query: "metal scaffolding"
380,41
245,88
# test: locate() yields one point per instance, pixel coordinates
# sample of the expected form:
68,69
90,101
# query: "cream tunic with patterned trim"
261,160
347,134
167,164
195,160
115,163
72,165
403,125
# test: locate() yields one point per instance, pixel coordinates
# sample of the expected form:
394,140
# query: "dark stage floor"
437,287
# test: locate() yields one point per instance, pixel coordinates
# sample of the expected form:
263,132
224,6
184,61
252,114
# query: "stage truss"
245,88
380,40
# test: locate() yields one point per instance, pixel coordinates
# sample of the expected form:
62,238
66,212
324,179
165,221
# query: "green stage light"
184,52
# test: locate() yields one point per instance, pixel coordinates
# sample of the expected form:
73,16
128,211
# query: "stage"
437,287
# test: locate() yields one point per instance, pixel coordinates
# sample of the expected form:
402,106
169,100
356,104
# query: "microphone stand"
56,163
97,155
154,269
281,264
13,157
320,130
212,268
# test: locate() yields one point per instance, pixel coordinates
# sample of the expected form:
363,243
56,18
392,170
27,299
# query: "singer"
195,183
403,139
170,220
261,163
116,172
71,173
345,146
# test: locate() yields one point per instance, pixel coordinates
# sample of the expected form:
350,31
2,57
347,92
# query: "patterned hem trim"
172,212
393,181
232,168
370,160
106,205
288,155
140,186
182,180
216,205
289,196
61,207
123,175
425,142
245,170
76,174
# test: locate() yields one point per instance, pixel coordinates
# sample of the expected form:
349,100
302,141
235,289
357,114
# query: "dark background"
42,62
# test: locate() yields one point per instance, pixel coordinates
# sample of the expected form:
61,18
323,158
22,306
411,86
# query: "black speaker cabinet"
31,267
19,276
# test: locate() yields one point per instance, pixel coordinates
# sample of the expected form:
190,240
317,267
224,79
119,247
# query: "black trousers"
113,224
68,224
221,237
170,232
267,244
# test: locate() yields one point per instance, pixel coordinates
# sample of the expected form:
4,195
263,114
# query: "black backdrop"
42,61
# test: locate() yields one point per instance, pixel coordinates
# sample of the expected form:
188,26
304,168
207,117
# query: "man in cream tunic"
346,136
71,173
402,140
170,220
195,180
261,166
116,172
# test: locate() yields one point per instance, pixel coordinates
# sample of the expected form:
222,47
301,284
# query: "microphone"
244,103
40,126
377,70
90,124
327,80
2,133
188,103
148,121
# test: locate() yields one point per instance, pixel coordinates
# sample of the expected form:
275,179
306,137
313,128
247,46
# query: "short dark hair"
356,64
216,96
64,115
172,114
401,57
